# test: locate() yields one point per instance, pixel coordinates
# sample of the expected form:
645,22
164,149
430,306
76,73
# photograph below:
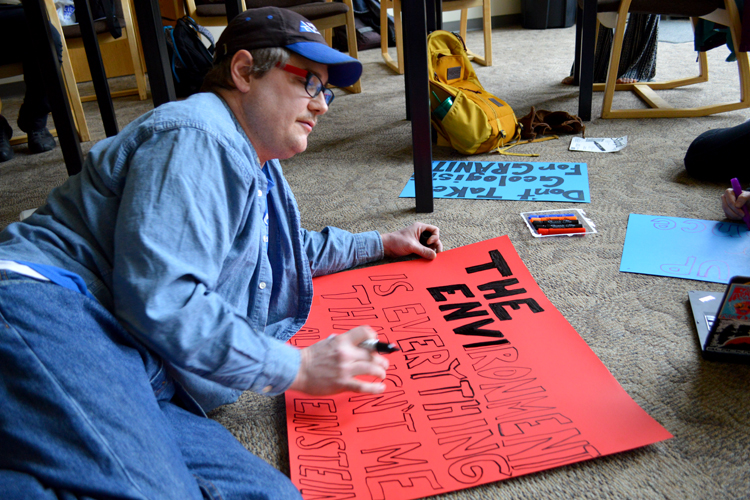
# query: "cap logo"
307,27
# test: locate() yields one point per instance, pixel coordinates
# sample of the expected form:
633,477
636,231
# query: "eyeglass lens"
314,87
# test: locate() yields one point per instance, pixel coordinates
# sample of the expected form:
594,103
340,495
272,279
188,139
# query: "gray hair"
220,75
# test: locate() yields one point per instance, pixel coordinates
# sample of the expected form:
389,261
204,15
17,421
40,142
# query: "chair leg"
71,86
384,6
132,35
486,31
487,28
742,60
462,29
351,35
464,23
398,64
74,97
614,59
399,28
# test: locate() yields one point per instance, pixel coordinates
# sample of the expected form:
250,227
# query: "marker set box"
567,222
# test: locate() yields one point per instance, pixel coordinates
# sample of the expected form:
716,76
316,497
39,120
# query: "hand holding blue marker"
737,192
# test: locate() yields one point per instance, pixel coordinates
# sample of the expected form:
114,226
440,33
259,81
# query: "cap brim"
342,69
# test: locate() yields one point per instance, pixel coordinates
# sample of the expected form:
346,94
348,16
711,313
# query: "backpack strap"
169,30
202,30
503,150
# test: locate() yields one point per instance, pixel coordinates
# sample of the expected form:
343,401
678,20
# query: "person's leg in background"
719,154
6,132
638,57
6,57
32,117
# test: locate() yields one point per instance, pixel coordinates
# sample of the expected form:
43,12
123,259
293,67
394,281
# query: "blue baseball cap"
274,27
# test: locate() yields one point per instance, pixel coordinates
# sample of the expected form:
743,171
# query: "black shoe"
6,152
40,141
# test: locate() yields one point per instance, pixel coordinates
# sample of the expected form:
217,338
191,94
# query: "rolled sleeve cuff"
282,364
369,247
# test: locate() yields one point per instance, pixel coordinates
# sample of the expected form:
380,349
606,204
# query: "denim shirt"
165,226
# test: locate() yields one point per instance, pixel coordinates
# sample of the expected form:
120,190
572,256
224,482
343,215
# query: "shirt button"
260,193
262,285
265,239
267,389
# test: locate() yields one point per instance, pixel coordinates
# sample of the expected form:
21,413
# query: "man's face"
279,112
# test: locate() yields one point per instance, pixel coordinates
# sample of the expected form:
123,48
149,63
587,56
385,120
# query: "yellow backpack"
467,118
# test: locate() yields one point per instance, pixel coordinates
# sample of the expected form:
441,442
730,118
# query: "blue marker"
538,216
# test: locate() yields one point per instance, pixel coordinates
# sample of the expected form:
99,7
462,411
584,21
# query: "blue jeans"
86,412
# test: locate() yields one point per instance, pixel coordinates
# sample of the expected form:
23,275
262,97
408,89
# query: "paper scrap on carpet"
598,144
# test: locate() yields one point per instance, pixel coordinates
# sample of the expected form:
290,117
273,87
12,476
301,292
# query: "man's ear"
242,63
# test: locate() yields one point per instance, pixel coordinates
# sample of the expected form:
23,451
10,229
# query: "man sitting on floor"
165,279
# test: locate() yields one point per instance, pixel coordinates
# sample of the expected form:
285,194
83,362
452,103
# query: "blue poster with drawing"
703,250
489,180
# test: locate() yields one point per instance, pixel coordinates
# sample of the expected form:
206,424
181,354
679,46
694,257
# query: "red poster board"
491,382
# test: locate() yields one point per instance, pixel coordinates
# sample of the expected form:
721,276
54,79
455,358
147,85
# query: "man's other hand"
333,365
407,241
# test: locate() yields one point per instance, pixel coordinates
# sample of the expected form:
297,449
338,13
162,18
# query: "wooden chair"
448,5
324,14
719,11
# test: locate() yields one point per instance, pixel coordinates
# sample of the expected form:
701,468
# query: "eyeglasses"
313,85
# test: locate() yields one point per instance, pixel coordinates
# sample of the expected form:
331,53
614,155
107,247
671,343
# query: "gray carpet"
640,326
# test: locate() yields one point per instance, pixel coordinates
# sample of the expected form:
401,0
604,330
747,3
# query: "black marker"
380,347
426,234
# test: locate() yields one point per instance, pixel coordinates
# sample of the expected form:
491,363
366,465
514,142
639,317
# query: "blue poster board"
489,180
703,250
